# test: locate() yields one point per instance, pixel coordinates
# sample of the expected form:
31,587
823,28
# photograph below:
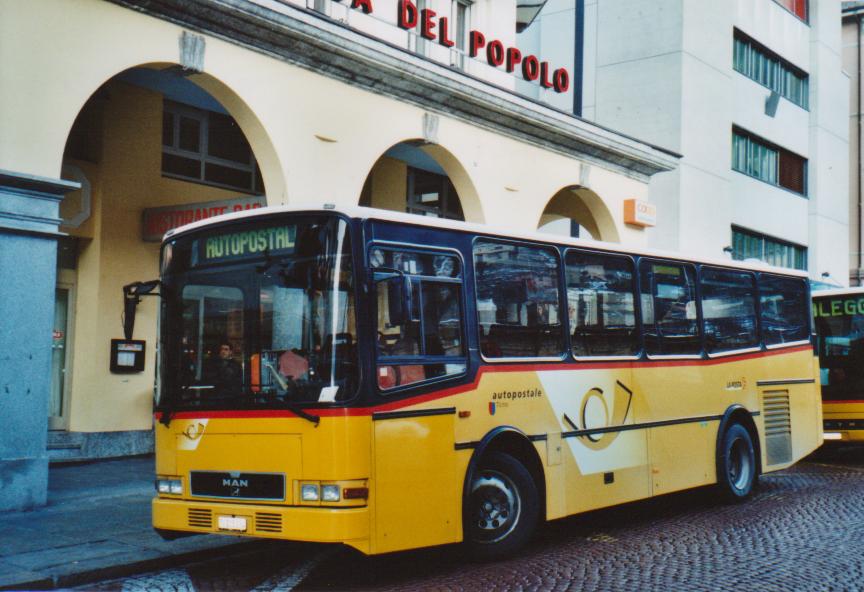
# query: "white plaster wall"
589,61
778,30
552,38
321,137
790,126
771,210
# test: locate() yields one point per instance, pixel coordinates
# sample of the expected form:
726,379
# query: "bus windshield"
259,315
840,330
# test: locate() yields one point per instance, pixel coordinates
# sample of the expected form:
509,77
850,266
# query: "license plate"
235,523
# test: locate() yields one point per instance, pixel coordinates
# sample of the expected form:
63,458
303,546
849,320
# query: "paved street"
804,530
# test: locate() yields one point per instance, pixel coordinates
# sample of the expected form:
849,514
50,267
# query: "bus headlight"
309,492
170,486
330,493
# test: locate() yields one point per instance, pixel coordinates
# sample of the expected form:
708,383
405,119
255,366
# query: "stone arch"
584,207
384,187
253,129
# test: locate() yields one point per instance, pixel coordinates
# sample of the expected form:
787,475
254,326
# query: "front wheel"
502,508
736,467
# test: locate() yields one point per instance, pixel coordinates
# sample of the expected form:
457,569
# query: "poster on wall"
158,221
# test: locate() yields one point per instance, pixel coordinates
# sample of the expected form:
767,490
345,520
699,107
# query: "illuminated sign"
158,221
640,213
496,54
842,307
247,242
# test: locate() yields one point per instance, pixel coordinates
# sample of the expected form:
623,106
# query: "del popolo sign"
434,28
158,221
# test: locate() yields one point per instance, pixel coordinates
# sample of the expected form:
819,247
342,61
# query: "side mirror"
132,294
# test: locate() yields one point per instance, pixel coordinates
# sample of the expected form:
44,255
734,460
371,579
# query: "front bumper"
311,524
844,430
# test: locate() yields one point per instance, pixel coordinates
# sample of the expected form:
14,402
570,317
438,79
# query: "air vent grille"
778,426
200,518
265,522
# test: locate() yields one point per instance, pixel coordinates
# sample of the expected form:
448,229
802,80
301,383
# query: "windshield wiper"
300,413
288,384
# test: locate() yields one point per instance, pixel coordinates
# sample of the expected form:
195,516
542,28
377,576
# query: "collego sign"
433,28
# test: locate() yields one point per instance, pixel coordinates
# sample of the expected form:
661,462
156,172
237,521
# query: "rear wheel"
736,467
502,508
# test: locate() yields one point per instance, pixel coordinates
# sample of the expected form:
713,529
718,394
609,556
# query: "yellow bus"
389,381
839,319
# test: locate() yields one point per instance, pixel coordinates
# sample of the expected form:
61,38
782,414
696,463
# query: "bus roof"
361,212
838,292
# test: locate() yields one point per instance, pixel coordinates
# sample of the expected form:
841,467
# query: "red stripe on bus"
493,368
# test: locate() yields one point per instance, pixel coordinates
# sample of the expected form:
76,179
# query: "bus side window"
419,318
728,309
600,300
785,314
669,319
518,300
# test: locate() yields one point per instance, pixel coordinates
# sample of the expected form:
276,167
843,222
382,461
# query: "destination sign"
839,307
232,245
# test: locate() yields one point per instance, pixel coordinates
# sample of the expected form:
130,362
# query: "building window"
770,70
430,194
207,147
796,7
461,23
754,156
752,245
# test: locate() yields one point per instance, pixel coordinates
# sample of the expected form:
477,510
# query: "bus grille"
778,427
200,518
268,522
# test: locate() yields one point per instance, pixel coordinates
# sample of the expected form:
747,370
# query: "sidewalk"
96,525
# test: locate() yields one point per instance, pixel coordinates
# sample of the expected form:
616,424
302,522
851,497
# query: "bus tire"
502,508
736,466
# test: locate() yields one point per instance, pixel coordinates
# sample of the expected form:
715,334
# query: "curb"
53,582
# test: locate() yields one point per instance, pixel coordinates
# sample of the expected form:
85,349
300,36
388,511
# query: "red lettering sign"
410,17
443,33
531,68
561,80
514,56
495,53
427,23
544,75
407,14
364,5
476,42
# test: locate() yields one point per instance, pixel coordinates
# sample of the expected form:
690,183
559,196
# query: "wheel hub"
496,504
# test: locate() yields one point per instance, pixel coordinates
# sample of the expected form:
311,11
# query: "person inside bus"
225,372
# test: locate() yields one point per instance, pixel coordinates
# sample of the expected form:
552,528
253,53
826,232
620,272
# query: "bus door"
598,404
419,312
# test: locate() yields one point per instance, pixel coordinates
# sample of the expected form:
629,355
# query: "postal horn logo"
599,416
194,430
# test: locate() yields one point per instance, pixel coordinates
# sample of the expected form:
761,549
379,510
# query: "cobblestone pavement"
803,530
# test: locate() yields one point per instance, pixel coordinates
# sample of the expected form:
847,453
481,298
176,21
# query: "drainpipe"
858,142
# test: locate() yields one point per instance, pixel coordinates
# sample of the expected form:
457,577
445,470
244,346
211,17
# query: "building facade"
123,119
853,33
752,94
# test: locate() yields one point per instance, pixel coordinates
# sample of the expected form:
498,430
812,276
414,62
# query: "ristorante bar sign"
495,53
